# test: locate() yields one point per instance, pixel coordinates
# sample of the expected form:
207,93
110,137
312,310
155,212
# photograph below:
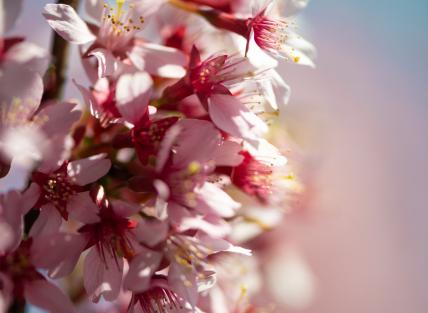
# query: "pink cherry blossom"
115,44
150,194
62,191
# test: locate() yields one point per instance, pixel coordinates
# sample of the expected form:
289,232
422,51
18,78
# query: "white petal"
107,63
215,200
133,93
67,23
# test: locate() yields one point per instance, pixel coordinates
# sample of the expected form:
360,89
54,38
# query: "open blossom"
273,35
62,190
149,192
189,268
19,278
29,134
111,240
264,28
210,80
115,44
125,99
181,179
264,174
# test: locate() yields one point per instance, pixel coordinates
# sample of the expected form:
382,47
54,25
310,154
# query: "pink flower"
157,298
22,281
62,191
210,80
111,240
28,133
17,51
13,206
123,100
180,178
264,28
264,174
273,35
187,258
19,278
190,272
115,45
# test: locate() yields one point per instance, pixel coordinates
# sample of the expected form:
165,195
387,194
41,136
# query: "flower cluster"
146,188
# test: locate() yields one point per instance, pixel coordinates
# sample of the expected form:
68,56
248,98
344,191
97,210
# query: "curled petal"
107,64
67,23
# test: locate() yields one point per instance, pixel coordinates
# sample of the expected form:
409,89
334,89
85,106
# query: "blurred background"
361,119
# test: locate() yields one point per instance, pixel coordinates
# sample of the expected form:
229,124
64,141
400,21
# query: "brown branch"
60,52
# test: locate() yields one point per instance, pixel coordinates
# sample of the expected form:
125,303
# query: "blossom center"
119,25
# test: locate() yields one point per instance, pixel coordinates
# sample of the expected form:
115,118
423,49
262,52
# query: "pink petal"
107,63
233,117
19,84
161,202
183,282
29,198
212,226
11,219
221,245
47,296
275,90
133,93
57,252
89,100
94,8
53,152
161,61
125,209
6,292
29,55
151,232
59,118
141,269
102,279
228,154
176,214
67,23
48,222
196,133
82,208
88,170
166,145
8,237
214,200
